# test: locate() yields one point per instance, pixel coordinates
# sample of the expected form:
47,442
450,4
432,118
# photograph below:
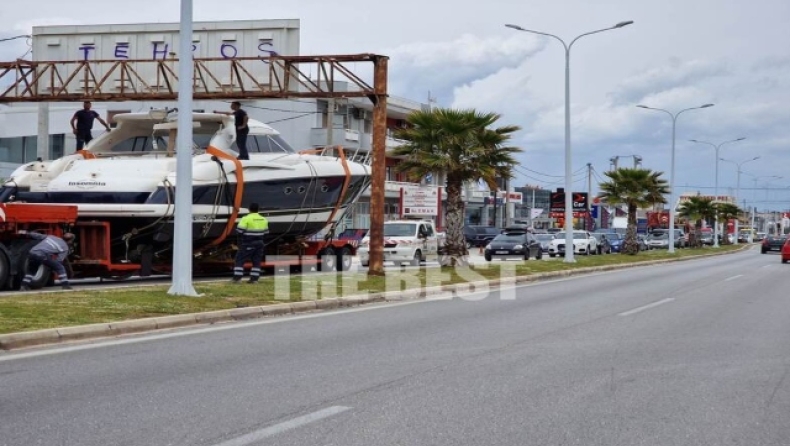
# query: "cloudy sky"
677,54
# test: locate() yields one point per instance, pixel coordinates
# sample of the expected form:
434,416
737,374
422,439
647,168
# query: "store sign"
558,201
511,197
420,200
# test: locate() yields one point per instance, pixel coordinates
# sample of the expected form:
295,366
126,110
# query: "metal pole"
568,159
716,193
737,197
568,163
182,243
671,238
589,195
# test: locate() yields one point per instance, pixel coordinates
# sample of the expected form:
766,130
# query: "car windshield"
508,238
614,236
658,236
400,230
544,237
576,235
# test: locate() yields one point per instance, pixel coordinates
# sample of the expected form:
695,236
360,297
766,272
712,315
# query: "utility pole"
613,160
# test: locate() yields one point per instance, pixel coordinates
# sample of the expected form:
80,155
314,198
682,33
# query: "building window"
57,146
23,149
12,150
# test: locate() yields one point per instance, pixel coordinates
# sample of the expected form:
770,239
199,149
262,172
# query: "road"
689,353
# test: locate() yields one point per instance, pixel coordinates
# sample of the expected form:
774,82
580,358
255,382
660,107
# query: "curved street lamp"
672,168
568,160
716,186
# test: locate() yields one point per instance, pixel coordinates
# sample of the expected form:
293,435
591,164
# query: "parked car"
406,242
603,244
544,240
773,243
658,240
513,244
479,235
681,240
706,237
615,242
786,251
583,243
760,236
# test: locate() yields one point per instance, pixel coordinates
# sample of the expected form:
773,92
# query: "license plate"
503,252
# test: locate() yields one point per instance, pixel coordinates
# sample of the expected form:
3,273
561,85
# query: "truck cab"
406,242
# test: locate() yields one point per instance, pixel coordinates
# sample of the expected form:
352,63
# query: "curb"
50,336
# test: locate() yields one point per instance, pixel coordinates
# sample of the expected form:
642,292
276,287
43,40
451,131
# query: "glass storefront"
22,149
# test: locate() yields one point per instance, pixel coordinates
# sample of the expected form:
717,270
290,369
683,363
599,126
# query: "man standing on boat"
240,117
82,124
251,230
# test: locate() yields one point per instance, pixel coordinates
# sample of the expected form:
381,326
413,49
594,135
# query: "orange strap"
85,154
236,199
346,181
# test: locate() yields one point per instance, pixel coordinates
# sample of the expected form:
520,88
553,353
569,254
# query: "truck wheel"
344,259
417,258
42,276
328,260
4,270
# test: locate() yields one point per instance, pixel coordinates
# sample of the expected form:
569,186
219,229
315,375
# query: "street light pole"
568,158
716,186
738,191
672,170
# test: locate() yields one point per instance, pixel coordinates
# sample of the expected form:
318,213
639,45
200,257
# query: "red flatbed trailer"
92,258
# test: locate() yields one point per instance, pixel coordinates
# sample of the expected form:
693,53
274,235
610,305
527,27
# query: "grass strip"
28,312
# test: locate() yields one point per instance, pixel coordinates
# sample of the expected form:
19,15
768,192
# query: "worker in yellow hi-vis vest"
251,230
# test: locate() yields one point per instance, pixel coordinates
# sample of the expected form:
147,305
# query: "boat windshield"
158,143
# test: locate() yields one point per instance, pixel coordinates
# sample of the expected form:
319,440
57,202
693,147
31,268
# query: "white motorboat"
128,177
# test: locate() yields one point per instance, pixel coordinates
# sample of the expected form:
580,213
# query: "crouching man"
52,252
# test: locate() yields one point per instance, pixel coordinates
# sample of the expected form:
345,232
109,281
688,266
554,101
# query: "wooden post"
378,167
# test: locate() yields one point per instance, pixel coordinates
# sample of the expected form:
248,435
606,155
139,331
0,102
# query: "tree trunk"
455,242
698,234
631,245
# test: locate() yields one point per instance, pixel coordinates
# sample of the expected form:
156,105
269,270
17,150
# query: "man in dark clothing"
240,121
251,230
52,252
82,124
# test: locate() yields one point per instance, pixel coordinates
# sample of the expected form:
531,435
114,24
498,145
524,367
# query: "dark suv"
773,243
480,235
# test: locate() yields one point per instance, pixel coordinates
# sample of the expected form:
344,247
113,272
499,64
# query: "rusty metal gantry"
276,77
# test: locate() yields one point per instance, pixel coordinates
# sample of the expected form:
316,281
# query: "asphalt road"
690,353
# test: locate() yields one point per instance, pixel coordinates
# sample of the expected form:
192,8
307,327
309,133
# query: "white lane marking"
284,426
733,277
767,266
647,307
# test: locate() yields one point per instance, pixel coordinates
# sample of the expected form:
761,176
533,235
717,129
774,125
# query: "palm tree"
697,209
461,145
727,212
636,188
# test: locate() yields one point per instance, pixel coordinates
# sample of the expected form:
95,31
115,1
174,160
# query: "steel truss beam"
214,78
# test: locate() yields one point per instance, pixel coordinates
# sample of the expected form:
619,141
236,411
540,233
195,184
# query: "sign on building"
419,201
160,42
